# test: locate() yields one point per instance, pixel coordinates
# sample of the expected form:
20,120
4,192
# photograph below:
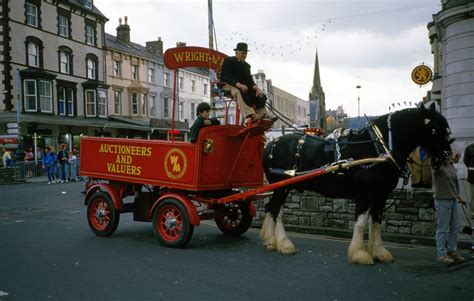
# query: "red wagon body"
221,159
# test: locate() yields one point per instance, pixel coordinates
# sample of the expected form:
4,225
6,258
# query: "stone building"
452,40
53,65
292,107
136,76
317,100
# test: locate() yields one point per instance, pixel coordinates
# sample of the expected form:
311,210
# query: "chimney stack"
155,46
180,44
123,31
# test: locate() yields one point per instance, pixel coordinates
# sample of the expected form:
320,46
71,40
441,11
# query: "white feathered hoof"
382,254
270,244
286,247
361,257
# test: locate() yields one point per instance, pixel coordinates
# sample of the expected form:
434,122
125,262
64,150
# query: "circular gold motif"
175,163
421,75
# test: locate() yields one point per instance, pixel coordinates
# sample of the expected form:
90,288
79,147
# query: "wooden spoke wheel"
102,217
171,224
236,221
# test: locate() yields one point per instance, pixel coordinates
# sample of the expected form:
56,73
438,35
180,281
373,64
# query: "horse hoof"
383,255
286,247
361,257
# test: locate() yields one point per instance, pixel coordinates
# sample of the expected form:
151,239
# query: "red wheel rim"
99,214
234,219
170,223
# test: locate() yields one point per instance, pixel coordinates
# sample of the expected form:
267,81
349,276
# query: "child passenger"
202,111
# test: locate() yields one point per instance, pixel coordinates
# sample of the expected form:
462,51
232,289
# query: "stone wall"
411,214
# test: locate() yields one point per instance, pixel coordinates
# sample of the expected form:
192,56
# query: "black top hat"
241,46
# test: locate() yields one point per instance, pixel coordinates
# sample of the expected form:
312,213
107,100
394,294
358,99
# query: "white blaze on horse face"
356,252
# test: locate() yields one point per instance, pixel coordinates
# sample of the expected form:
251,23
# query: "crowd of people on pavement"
59,166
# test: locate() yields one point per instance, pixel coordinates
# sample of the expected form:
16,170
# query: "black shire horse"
369,185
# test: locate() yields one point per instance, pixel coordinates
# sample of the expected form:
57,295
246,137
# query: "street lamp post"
358,105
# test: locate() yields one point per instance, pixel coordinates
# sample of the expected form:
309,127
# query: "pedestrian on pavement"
50,164
73,167
420,168
469,162
446,195
29,157
238,80
7,158
63,163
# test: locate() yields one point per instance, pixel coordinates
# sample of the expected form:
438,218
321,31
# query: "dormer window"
88,4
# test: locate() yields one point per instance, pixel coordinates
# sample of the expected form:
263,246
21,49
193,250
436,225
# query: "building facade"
53,72
452,39
292,107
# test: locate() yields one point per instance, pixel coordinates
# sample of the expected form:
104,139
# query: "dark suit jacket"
234,71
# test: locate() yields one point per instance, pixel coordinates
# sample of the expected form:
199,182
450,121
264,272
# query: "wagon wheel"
237,220
171,224
102,217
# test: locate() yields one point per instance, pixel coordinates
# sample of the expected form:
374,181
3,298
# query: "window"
64,62
206,88
151,105
193,112
193,85
33,55
90,35
151,75
116,67
181,111
30,95
88,3
134,72
90,102
181,83
66,102
165,108
102,104
134,104
117,102
31,14
91,69
165,79
63,26
144,104
46,96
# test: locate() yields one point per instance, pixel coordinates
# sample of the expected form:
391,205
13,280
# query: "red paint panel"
139,161
181,57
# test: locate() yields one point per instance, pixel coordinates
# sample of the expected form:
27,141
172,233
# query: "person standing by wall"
63,158
7,158
469,162
50,163
446,195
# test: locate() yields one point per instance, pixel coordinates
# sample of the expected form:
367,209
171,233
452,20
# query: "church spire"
316,78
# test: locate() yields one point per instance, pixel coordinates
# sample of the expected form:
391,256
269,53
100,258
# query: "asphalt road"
48,252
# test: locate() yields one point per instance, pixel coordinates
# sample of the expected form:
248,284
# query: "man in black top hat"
236,74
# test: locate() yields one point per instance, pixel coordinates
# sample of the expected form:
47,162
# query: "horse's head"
436,134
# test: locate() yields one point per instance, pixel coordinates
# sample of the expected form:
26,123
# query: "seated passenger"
203,110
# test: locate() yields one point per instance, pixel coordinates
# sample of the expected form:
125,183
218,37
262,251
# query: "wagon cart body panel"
231,160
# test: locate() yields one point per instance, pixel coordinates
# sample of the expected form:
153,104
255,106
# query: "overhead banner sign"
421,75
181,57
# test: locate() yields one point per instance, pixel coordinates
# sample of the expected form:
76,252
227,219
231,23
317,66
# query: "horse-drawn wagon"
175,185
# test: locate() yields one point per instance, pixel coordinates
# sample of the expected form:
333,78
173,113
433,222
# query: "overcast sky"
374,44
